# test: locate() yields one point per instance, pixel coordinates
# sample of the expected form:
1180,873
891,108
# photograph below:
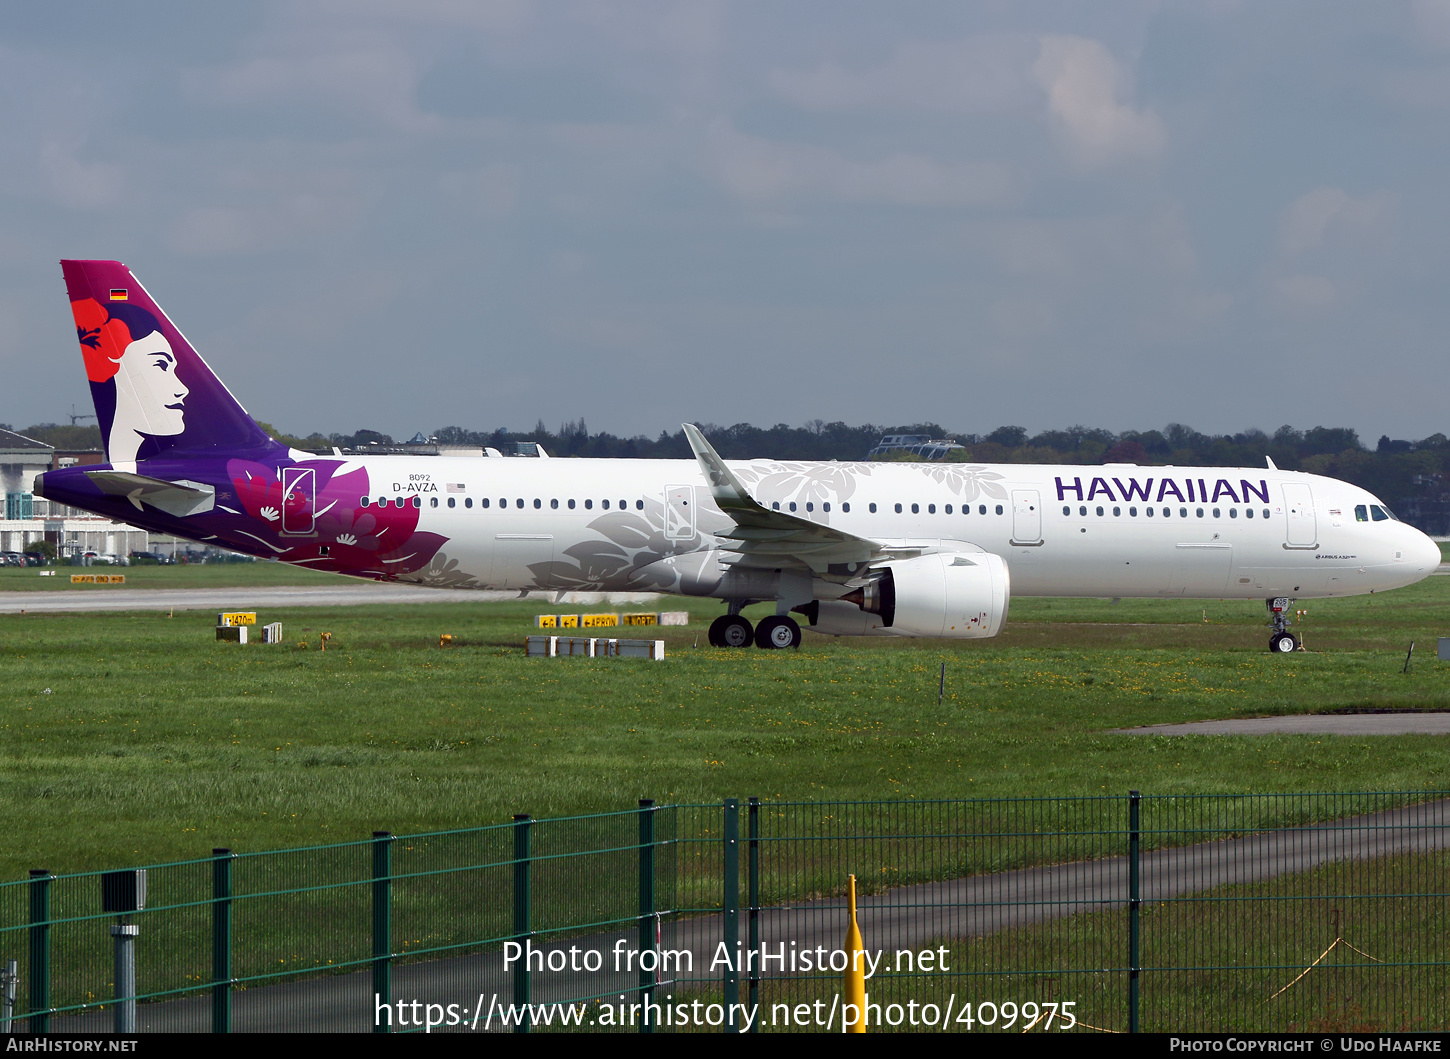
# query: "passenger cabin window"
898,509
792,505
433,501
1117,511
538,503
871,508
1233,512
931,509
364,503
999,509
915,509
947,510
468,501
1248,512
639,505
846,507
604,504
452,501
981,509
1215,512
1100,512
1132,512
1082,510
589,505
775,505
553,504
571,505
826,508
1066,510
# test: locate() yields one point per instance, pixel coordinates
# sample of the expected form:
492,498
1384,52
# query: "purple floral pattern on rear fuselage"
380,540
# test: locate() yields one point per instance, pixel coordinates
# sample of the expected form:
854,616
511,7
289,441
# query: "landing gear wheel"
1283,643
731,630
777,632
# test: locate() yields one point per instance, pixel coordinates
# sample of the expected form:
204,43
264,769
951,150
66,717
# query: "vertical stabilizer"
152,391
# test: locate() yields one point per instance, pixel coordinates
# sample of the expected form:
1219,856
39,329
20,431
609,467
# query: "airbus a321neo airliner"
855,548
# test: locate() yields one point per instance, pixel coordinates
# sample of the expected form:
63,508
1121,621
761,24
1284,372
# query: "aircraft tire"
776,632
731,630
1283,643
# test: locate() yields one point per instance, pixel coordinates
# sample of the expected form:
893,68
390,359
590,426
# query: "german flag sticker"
118,295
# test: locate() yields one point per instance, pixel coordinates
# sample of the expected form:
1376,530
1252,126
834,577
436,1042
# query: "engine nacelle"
947,594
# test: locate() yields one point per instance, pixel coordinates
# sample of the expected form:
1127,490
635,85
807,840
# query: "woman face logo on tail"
132,369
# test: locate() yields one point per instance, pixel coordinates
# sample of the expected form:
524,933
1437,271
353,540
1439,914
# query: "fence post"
39,999
647,978
752,883
221,941
730,910
522,932
382,929
1134,798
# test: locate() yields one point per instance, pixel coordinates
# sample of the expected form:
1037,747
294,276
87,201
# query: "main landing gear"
774,632
1283,642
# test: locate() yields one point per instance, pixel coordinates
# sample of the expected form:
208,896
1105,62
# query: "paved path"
914,917
1310,724
342,594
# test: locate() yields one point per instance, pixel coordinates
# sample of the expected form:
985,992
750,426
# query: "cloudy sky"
402,214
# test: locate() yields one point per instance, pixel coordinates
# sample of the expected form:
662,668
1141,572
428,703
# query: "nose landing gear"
1282,642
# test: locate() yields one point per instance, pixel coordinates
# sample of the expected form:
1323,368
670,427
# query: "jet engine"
946,594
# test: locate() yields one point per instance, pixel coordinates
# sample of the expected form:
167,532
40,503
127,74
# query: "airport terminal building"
29,518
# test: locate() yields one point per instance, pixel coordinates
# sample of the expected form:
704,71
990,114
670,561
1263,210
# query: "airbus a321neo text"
901,549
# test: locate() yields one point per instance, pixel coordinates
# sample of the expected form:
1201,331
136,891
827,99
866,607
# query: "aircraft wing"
175,498
763,537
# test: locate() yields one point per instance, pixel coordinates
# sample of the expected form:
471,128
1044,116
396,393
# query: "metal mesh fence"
1258,912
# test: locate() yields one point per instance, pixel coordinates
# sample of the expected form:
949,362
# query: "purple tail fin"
153,392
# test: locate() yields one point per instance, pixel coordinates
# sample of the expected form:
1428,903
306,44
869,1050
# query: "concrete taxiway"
1310,724
342,594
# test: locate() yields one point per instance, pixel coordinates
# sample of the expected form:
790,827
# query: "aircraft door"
1300,526
299,495
521,560
679,512
1026,517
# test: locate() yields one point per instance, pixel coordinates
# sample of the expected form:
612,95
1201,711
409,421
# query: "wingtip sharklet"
723,484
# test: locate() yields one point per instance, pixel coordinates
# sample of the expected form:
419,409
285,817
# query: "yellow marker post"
855,969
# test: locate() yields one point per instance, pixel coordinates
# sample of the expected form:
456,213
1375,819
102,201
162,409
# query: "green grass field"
134,738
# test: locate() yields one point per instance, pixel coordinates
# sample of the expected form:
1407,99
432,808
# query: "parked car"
12,559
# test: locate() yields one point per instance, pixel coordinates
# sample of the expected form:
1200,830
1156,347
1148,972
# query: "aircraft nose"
1425,552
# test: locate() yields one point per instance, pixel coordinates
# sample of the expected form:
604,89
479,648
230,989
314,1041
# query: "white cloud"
759,170
1321,214
71,182
372,78
492,191
1083,83
281,216
1305,291
1433,19
976,75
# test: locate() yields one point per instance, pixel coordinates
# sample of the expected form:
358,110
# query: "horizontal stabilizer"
175,498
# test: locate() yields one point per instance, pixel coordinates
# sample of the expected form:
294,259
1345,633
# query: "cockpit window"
1361,513
1378,513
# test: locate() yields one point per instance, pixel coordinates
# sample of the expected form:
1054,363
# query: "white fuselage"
1118,530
